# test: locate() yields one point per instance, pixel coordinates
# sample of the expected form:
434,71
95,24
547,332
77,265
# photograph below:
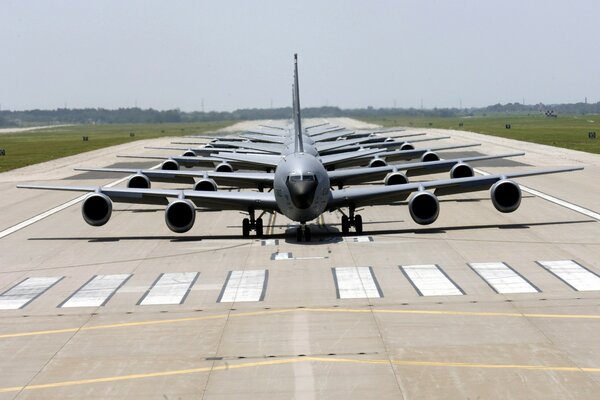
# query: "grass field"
566,131
33,147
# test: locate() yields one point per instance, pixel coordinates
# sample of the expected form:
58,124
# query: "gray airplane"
302,192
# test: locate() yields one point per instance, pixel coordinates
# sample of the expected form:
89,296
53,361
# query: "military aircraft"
302,192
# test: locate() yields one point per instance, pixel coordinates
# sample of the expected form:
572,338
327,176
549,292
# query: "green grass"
33,147
566,131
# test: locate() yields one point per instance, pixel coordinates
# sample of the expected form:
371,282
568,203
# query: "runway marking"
170,288
430,280
358,239
356,283
573,274
234,366
26,291
96,292
248,285
56,209
502,278
553,199
281,256
291,310
269,242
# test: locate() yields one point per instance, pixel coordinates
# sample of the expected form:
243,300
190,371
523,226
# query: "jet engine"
189,153
180,216
170,165
224,167
506,195
377,162
429,156
96,209
395,178
461,170
206,185
424,207
407,146
139,181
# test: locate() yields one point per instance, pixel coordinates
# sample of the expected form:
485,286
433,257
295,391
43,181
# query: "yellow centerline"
318,310
228,366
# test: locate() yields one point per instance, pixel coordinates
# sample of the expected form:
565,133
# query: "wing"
380,195
242,201
264,160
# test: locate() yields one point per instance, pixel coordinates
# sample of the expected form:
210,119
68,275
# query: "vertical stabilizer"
299,148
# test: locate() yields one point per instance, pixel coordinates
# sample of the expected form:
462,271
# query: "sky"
225,55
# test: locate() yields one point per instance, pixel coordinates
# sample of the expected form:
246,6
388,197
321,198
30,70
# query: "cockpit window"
302,178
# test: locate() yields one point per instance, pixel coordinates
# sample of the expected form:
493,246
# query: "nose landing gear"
303,231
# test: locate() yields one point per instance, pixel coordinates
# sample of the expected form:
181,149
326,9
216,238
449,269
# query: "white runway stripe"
97,291
430,280
23,293
502,278
170,288
573,274
356,283
247,285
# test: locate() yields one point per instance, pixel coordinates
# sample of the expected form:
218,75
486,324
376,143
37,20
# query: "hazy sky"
238,54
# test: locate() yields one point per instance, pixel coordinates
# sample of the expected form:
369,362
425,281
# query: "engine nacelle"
424,207
407,146
461,170
96,209
206,185
430,156
189,153
224,167
139,181
180,216
388,140
506,196
377,162
170,165
395,178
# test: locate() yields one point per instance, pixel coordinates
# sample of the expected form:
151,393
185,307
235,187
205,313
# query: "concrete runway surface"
478,305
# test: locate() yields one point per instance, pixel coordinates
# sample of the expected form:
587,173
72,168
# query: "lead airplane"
302,192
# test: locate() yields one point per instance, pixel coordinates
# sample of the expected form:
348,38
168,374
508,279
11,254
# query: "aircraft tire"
307,234
299,234
259,227
358,224
245,227
345,224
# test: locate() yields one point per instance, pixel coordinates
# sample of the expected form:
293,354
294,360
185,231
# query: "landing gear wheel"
259,227
299,234
245,227
358,225
307,234
345,224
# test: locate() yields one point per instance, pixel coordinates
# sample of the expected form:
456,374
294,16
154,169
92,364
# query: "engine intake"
506,196
180,216
395,178
429,156
96,209
139,181
407,146
189,153
377,162
224,167
461,170
170,165
206,185
424,207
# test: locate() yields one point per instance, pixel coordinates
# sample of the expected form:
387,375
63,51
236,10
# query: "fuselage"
301,187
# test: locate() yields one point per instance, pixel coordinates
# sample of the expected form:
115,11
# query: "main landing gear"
252,224
303,231
352,220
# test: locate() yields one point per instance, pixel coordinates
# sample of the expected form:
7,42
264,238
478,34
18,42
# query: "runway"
478,305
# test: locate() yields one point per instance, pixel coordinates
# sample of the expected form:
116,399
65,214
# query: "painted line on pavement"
573,274
247,285
26,291
96,292
356,283
502,278
430,280
170,288
552,199
233,366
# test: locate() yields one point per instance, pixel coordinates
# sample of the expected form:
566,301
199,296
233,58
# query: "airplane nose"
302,193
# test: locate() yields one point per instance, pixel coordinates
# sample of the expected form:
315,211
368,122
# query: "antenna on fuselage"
299,148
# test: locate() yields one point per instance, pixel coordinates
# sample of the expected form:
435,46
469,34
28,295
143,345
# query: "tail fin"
299,148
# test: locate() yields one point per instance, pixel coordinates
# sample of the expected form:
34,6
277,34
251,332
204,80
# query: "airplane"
302,192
